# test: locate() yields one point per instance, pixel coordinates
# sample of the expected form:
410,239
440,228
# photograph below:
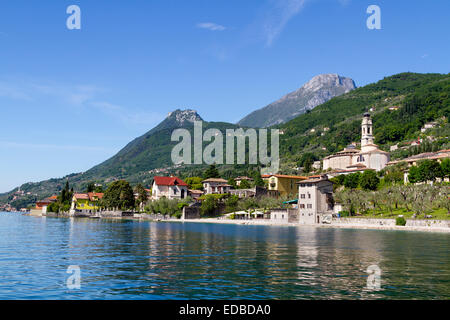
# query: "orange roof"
96,195
287,176
169,181
88,196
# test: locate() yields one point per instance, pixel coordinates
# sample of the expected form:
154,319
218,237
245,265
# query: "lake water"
125,259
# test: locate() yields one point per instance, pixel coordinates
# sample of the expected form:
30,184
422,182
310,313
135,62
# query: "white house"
216,185
169,187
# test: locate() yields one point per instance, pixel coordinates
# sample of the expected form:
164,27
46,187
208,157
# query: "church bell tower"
366,130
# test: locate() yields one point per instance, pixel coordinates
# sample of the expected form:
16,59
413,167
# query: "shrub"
344,213
369,180
400,221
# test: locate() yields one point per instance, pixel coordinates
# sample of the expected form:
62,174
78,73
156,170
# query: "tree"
445,168
351,181
119,195
429,170
258,180
244,184
306,161
142,195
90,187
209,205
414,175
231,203
211,172
369,180
232,183
194,183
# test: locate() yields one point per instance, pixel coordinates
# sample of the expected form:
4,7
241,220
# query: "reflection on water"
143,260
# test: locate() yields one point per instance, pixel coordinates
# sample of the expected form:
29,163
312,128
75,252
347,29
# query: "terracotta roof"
287,176
97,195
195,191
215,180
358,165
315,180
169,181
243,178
81,196
88,196
351,170
424,156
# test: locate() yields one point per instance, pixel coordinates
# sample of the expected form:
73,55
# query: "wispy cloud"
277,17
124,115
424,56
211,26
13,92
81,97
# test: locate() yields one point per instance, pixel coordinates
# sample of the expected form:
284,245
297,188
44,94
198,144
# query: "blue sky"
70,99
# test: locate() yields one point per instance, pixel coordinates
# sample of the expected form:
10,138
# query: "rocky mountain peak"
330,79
183,116
316,91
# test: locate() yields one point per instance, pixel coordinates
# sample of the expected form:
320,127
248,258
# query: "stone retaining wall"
391,222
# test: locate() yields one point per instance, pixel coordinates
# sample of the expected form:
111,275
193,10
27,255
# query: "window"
302,206
309,185
302,185
309,195
302,196
309,206
282,216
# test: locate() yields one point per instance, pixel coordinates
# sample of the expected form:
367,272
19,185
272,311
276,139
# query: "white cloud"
277,17
211,26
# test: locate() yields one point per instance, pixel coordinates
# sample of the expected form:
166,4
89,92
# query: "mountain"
329,127
318,90
149,151
137,162
400,105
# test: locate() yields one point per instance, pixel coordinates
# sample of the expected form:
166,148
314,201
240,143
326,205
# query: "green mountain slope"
333,125
418,98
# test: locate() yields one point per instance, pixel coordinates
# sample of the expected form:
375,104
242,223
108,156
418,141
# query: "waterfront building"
369,157
216,186
86,202
315,200
169,187
41,205
283,185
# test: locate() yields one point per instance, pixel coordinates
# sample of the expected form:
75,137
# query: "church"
351,159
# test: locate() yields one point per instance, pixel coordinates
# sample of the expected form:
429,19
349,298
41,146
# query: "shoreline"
335,225
361,226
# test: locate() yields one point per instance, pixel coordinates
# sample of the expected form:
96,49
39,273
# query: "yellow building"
284,184
86,202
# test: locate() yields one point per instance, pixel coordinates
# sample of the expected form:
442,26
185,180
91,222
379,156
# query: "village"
275,198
